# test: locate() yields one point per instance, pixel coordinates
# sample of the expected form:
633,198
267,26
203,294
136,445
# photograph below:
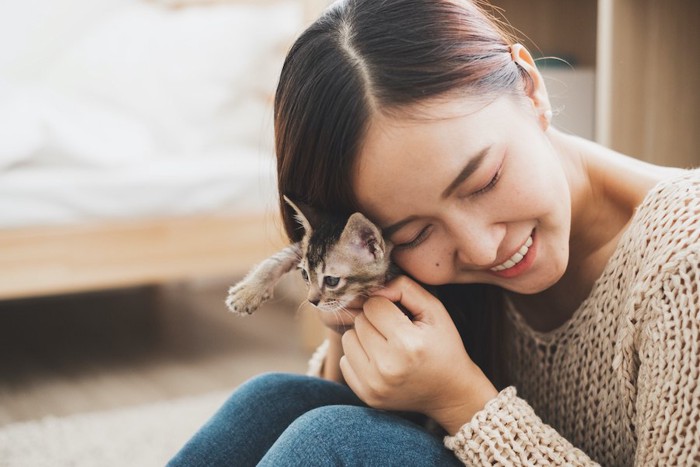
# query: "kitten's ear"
364,237
303,214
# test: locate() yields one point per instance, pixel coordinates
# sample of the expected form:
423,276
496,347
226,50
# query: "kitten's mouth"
337,316
326,307
332,306
340,305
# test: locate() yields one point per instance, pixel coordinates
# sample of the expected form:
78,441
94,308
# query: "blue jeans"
292,420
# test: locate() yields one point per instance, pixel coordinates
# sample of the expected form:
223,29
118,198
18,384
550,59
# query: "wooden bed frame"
104,255
44,261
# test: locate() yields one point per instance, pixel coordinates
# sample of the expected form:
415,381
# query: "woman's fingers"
384,316
418,301
371,338
356,355
350,376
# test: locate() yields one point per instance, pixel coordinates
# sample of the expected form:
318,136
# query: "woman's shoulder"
668,220
662,251
672,204
681,185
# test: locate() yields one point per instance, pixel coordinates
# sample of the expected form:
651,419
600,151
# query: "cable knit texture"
315,365
618,383
507,432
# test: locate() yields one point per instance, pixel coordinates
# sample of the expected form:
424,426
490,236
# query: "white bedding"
140,111
230,183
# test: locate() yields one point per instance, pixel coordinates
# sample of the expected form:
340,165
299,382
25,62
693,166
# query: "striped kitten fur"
340,258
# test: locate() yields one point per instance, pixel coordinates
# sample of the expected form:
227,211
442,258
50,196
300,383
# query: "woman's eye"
331,281
422,235
305,275
490,185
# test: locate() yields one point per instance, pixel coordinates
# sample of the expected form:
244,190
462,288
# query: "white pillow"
40,127
193,75
20,127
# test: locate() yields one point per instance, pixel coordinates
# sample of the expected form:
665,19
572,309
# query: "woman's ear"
537,93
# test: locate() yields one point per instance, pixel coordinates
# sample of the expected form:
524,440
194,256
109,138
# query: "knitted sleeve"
315,365
507,432
668,384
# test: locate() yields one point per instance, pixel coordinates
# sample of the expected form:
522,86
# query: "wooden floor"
81,353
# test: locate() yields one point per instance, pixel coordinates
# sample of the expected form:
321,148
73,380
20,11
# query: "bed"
136,140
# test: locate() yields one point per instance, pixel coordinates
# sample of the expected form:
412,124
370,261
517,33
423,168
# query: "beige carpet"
145,435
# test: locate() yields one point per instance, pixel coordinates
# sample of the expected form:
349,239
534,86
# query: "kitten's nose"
314,301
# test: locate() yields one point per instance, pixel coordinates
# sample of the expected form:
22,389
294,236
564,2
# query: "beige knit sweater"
619,383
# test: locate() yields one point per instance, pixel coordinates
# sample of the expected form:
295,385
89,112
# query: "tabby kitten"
340,258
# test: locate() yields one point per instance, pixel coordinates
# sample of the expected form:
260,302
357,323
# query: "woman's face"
471,193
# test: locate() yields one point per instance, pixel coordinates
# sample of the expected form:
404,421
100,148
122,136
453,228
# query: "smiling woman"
574,263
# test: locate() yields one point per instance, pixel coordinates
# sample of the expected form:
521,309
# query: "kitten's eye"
305,275
331,281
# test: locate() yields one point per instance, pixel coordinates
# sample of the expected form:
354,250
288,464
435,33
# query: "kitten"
340,258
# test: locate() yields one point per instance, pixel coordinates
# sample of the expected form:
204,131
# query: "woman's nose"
477,246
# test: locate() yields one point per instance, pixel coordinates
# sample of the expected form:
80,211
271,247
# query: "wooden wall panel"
562,28
655,81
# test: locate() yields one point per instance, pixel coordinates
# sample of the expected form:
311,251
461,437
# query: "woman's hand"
394,363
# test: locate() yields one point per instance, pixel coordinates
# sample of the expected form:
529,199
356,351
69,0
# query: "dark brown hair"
364,57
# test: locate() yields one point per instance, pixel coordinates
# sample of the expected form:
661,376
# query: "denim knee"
352,435
296,390
310,441
268,384
255,415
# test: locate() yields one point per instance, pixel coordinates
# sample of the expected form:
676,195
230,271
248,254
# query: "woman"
571,272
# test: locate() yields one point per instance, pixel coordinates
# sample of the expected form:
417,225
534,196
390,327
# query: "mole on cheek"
437,265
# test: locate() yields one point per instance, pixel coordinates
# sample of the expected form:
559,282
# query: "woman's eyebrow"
389,231
471,167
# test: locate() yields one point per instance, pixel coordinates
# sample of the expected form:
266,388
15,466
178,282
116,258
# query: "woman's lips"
519,262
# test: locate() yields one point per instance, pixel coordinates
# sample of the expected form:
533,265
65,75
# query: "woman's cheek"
428,267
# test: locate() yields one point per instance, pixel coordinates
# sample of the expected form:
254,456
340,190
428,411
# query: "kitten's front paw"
243,300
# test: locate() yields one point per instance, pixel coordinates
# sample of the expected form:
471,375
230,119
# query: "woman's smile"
519,262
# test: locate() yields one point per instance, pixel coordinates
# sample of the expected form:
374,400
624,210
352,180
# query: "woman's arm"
508,432
668,398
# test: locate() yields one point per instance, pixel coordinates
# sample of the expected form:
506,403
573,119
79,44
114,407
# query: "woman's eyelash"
490,185
416,241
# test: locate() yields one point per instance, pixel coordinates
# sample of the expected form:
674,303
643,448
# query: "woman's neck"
606,188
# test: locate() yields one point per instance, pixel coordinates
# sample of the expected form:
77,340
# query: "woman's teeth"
516,258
